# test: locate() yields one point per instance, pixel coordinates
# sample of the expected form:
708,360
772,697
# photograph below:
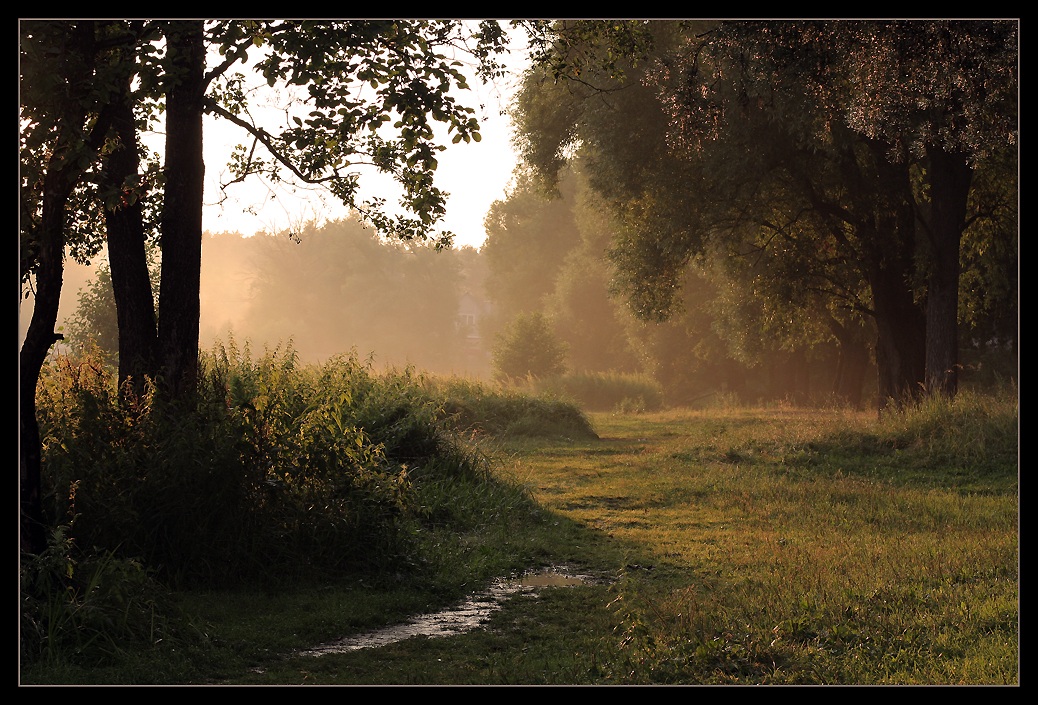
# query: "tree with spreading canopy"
366,94
857,142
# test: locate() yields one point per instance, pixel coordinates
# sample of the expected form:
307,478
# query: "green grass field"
742,546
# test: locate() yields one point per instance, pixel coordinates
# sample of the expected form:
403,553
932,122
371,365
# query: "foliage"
529,236
481,409
285,474
788,180
989,288
408,84
371,92
282,470
529,347
605,391
88,608
95,320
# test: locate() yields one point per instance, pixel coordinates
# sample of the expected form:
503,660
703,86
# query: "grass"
776,561
744,546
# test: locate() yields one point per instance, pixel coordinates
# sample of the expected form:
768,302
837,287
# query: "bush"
281,470
475,408
86,609
528,348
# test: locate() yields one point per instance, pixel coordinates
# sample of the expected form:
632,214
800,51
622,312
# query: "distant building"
476,355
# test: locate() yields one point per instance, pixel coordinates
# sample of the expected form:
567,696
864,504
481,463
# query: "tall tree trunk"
179,304
851,365
950,178
900,340
38,340
70,155
884,220
127,255
900,321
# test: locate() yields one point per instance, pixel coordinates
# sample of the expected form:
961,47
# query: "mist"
334,289
340,288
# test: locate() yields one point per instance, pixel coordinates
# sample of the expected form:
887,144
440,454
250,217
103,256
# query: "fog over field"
328,291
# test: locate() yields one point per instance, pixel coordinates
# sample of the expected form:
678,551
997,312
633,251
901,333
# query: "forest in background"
774,255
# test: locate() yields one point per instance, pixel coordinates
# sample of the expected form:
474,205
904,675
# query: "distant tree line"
328,289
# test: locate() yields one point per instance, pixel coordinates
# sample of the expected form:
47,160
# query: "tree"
89,88
947,90
528,239
930,100
528,347
341,286
64,128
95,323
782,132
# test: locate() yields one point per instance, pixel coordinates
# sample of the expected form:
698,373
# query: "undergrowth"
281,473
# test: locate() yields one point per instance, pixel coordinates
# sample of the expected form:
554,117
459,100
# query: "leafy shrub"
280,470
87,608
528,348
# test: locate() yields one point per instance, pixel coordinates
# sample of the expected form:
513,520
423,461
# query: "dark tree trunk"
850,367
950,179
900,320
900,340
179,304
38,340
63,171
880,191
131,282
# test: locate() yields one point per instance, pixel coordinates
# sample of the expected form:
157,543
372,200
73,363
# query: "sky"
475,174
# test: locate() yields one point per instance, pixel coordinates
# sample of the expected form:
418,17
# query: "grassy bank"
742,546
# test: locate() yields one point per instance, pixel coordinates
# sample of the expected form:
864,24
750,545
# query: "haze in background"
475,175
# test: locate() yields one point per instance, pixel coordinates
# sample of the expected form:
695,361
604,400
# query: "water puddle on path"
468,615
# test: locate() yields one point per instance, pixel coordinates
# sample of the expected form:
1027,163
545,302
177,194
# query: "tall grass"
603,391
280,473
478,408
88,607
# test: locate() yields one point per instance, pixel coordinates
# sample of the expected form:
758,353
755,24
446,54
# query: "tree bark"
69,157
850,367
950,177
127,256
900,339
900,320
179,303
885,226
39,338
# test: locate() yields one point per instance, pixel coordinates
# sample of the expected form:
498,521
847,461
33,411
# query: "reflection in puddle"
464,617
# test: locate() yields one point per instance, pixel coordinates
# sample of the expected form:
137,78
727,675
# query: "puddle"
470,614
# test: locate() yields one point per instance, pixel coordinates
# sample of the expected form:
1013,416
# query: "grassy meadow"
735,546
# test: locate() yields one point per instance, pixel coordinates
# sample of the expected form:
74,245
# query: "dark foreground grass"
743,546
